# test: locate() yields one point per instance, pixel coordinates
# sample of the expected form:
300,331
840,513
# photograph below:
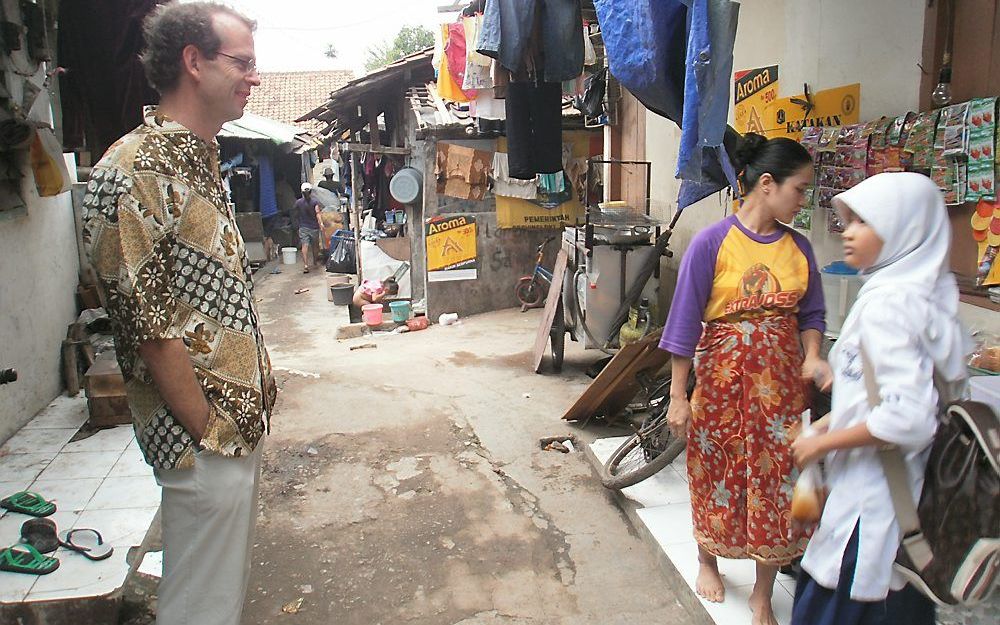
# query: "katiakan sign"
757,107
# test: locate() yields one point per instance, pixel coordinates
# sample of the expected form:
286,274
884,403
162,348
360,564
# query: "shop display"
950,168
920,142
981,130
876,147
986,232
956,146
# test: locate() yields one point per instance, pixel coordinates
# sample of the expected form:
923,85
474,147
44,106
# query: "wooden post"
373,132
356,212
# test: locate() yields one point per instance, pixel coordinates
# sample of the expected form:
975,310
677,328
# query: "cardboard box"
106,398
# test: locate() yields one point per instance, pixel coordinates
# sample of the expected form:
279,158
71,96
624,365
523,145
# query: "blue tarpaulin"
676,57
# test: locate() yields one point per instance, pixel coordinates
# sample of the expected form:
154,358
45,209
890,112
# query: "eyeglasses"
247,66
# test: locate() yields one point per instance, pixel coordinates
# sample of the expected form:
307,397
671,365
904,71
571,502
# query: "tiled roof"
286,96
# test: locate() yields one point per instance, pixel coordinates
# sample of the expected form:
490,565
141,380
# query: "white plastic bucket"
288,255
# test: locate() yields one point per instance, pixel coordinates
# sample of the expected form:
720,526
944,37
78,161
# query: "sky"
293,34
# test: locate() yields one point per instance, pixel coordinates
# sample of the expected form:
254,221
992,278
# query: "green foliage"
408,40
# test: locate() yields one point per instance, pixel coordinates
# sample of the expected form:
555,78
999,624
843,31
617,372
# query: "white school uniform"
906,317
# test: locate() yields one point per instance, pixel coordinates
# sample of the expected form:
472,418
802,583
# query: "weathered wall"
503,255
38,278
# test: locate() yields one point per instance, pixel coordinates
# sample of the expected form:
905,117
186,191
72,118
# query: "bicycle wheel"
644,453
557,336
528,291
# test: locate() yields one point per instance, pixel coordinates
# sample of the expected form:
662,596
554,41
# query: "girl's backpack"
951,540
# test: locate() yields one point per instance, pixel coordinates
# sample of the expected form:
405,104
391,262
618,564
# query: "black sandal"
86,541
40,534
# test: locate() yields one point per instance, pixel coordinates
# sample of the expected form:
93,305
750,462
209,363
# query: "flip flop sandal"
40,534
86,541
26,502
26,559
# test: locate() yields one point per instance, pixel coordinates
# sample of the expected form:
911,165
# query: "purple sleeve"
694,286
812,308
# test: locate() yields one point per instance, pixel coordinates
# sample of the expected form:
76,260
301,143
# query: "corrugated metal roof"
386,83
257,128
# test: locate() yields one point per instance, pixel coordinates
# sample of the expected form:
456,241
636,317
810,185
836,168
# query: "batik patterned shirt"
172,265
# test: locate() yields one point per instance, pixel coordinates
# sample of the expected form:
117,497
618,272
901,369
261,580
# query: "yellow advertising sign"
754,90
786,117
451,248
517,213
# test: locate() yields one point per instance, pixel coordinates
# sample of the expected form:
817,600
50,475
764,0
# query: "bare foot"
709,583
763,613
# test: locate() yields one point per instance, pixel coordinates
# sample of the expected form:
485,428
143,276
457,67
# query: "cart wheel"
557,337
528,291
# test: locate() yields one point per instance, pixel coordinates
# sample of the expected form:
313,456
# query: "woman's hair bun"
748,148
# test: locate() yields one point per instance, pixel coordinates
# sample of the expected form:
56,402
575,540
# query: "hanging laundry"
477,66
552,183
438,55
377,172
476,77
265,186
446,85
589,52
552,190
454,52
534,129
473,25
505,186
507,31
461,172
487,106
489,112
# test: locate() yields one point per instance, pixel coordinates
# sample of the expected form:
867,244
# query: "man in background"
308,208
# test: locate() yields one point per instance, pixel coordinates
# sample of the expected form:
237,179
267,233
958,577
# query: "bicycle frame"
540,270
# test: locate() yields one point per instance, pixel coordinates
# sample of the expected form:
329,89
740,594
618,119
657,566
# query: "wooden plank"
972,43
364,147
613,389
549,315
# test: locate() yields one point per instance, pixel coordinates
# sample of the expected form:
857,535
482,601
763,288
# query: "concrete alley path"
405,483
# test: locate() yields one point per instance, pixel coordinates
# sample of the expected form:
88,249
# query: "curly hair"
172,27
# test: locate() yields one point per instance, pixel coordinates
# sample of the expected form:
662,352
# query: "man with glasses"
174,272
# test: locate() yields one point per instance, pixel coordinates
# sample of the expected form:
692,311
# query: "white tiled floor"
100,482
666,512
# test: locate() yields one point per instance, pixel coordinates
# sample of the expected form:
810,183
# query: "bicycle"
530,289
652,446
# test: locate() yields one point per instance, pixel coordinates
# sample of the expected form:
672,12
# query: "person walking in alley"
177,282
903,332
755,285
308,208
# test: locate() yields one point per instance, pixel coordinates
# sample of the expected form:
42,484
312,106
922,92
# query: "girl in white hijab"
898,236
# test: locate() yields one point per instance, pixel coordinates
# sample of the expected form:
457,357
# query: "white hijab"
907,212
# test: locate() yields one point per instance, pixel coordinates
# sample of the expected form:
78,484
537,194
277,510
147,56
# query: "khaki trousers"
208,515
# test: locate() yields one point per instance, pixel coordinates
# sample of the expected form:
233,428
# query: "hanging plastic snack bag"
920,142
876,147
981,129
809,494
